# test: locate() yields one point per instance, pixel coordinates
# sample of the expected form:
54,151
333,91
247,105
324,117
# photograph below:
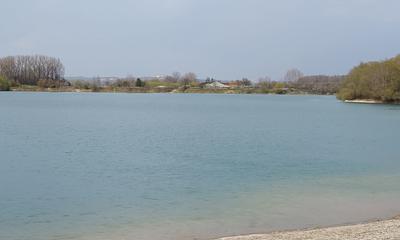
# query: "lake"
83,166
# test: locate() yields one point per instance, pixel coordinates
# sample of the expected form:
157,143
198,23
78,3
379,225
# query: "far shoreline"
196,91
165,91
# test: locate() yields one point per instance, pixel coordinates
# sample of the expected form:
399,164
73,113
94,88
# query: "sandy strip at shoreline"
366,101
388,230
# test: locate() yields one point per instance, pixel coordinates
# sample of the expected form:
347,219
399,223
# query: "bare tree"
265,83
127,82
173,78
265,79
31,69
293,75
188,78
245,82
320,84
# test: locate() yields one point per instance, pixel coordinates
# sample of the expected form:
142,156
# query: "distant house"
215,85
234,84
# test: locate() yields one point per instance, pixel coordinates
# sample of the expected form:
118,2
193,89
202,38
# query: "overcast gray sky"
225,39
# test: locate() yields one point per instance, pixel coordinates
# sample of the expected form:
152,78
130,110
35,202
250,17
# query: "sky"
223,39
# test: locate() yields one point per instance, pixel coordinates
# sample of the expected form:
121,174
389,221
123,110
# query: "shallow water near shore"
177,166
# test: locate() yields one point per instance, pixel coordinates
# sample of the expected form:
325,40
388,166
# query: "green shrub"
4,84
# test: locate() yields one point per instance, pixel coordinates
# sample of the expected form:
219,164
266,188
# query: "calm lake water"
177,167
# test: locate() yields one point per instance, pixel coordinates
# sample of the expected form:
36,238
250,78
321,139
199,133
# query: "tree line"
377,80
32,70
48,72
319,84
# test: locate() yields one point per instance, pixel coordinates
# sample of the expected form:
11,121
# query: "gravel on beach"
387,230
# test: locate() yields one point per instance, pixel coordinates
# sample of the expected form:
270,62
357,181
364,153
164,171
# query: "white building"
216,85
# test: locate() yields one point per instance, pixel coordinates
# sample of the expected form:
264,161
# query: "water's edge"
342,231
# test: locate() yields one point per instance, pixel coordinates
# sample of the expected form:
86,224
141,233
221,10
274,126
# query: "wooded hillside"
379,80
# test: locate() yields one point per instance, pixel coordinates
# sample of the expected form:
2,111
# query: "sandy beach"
388,230
364,101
